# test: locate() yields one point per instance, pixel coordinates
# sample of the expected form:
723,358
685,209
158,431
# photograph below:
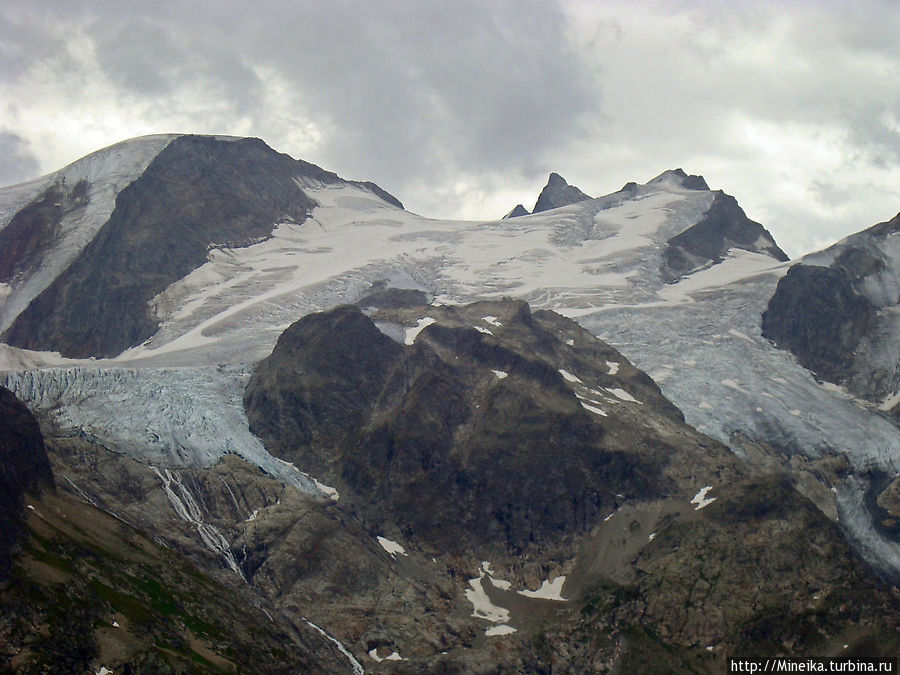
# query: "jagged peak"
556,179
558,193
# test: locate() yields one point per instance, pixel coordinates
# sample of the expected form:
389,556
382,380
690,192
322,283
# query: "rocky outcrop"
558,193
473,433
836,312
197,193
24,468
818,315
723,227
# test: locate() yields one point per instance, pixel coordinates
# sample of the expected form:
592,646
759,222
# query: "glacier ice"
165,417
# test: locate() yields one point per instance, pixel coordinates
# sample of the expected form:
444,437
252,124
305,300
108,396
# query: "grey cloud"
429,97
397,88
17,163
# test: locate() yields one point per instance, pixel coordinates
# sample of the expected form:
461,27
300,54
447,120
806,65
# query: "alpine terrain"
255,417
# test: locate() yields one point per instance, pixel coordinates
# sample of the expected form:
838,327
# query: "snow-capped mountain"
150,301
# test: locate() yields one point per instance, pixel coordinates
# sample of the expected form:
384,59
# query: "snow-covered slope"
576,260
106,172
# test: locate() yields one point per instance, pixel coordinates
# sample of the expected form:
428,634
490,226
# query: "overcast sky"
461,108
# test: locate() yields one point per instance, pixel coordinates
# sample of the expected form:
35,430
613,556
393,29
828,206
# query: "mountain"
197,193
470,400
564,440
557,193
517,211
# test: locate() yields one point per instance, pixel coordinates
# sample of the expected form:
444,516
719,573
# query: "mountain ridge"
558,440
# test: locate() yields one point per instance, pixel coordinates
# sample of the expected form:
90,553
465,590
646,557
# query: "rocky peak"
723,227
512,427
558,193
679,177
518,211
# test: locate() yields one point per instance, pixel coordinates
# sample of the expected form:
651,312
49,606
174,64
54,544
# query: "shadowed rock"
558,193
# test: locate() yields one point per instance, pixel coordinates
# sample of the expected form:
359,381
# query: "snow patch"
623,395
613,367
391,547
481,329
502,629
491,320
549,590
738,266
412,333
593,409
500,374
483,607
701,500
569,377
393,656
502,584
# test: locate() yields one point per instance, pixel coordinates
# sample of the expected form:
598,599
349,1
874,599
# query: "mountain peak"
556,179
519,210
558,193
679,177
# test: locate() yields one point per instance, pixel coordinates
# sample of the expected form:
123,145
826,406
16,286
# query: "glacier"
168,418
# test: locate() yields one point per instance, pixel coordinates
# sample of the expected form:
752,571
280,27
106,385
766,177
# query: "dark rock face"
558,193
818,315
431,437
519,210
29,231
197,193
724,226
23,467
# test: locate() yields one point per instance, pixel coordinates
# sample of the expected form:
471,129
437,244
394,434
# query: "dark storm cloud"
17,163
394,89
462,108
